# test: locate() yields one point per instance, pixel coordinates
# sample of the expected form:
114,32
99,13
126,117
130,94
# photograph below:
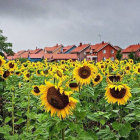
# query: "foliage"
92,119
22,60
119,55
5,47
131,55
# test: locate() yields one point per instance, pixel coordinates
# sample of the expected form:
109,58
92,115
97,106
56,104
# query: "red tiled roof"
34,51
48,56
97,47
65,56
20,52
67,48
132,48
24,55
51,49
9,57
118,48
37,55
80,48
15,56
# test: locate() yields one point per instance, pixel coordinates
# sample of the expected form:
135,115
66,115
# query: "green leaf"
102,122
116,125
125,130
135,90
20,121
7,119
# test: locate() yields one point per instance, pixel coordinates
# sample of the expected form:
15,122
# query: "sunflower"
11,65
117,93
27,76
36,90
97,79
58,73
137,69
17,72
45,72
56,102
38,72
83,73
127,68
25,65
113,78
131,61
2,61
5,74
73,85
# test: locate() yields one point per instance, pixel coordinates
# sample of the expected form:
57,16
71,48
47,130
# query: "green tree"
119,55
5,47
131,55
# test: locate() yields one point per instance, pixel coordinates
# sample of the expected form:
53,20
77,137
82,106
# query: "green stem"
63,135
120,114
28,111
63,130
13,125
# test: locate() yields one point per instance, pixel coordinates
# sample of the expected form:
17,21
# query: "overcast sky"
31,23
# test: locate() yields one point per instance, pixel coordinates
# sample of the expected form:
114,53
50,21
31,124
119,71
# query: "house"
36,55
16,55
80,51
48,56
55,49
132,48
68,49
101,51
118,48
25,54
65,57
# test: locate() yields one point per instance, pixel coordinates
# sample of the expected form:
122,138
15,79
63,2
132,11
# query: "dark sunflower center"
11,65
25,65
28,75
139,70
118,94
6,74
73,85
59,73
36,90
56,99
127,68
0,62
38,72
84,72
102,66
17,73
45,71
97,78
114,78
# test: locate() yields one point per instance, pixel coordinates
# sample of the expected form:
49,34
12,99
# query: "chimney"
56,44
36,47
102,42
80,44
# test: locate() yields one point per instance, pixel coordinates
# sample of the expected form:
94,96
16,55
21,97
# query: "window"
112,58
104,58
112,51
104,51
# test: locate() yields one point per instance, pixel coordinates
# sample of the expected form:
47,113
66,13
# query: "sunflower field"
69,100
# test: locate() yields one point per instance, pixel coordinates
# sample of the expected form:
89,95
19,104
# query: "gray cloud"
31,23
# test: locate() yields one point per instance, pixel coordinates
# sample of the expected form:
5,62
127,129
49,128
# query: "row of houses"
97,52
